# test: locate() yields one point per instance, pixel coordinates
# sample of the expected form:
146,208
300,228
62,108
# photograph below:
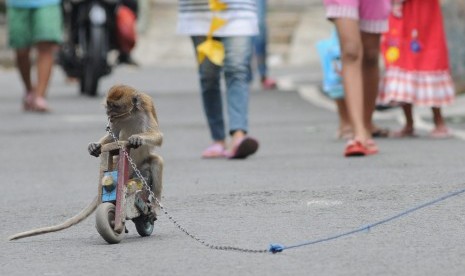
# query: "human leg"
409,129
45,61
440,129
238,53
19,34
261,46
46,34
351,57
209,75
370,72
345,128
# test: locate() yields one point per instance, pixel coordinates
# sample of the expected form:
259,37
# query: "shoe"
269,84
245,147
214,151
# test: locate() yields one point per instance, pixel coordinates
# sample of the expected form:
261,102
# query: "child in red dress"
416,60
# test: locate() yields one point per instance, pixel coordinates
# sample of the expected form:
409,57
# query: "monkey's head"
121,101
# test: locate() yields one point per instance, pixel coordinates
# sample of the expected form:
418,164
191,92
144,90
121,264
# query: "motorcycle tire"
95,61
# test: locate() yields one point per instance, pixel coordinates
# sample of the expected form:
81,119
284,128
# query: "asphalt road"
297,188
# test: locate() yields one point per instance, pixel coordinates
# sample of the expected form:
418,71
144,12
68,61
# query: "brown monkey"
132,118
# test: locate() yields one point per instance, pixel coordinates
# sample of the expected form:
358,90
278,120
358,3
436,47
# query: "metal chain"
152,196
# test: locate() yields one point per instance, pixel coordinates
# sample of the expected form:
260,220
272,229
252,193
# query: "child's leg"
408,112
440,130
408,130
351,56
370,72
345,128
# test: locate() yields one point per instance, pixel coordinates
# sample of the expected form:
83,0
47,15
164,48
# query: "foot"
440,133
345,133
378,132
269,84
215,150
40,105
403,133
243,148
28,101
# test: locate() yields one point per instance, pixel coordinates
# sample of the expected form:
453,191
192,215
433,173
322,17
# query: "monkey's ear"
137,101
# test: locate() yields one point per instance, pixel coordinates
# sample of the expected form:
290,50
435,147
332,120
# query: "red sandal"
356,148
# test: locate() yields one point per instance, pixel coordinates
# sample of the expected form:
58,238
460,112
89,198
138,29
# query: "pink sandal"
214,151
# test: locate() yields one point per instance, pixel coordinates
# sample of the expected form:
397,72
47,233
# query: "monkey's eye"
112,105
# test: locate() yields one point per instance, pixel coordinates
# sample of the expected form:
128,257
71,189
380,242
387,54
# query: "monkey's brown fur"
132,118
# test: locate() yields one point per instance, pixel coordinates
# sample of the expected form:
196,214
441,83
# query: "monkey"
132,118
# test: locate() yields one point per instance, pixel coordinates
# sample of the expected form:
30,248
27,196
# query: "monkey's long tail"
68,223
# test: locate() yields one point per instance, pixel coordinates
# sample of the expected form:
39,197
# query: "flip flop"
214,151
245,147
356,148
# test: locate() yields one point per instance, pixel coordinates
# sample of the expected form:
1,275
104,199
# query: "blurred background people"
34,24
261,47
417,66
231,37
359,24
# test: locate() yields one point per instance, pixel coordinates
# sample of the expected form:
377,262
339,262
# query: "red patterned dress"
416,57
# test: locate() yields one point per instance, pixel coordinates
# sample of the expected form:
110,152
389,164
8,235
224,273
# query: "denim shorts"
27,26
372,14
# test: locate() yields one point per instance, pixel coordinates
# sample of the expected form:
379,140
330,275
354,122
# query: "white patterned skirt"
420,88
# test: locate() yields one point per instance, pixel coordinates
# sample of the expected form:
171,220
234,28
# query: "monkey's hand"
135,141
95,149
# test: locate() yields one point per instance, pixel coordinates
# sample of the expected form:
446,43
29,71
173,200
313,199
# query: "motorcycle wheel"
105,223
95,61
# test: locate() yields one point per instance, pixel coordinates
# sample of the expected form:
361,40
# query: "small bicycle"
121,197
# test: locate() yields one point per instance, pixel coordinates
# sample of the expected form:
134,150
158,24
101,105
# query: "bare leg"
440,130
408,130
408,112
24,66
45,62
237,136
438,119
370,71
345,128
352,53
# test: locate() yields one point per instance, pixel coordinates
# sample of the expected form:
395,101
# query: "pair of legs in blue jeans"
236,69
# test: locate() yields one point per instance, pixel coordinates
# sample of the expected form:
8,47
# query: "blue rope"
276,248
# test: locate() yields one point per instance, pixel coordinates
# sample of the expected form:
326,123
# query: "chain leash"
163,209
